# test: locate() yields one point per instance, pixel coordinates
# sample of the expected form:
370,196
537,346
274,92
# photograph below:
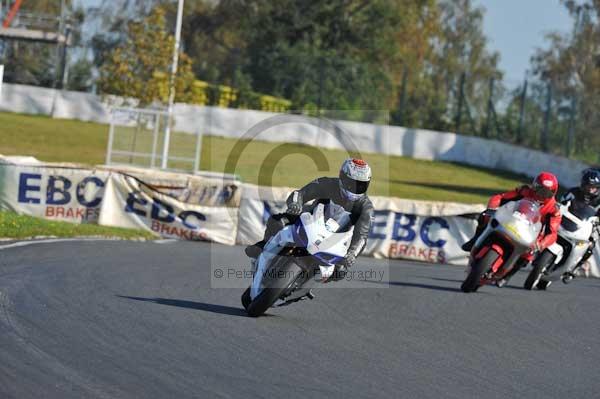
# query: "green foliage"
458,46
345,54
405,56
571,66
17,226
137,67
80,76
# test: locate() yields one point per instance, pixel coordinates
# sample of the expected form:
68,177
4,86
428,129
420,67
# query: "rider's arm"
307,193
361,229
498,199
552,232
568,196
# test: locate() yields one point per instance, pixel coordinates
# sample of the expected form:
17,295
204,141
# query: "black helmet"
590,183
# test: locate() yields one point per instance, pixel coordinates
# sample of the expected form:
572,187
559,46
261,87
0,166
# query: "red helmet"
545,186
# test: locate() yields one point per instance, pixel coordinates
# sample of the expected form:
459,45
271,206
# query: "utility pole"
544,135
490,106
461,94
571,131
522,113
165,153
402,105
60,50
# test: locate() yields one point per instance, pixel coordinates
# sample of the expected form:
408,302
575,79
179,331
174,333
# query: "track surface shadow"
206,307
416,285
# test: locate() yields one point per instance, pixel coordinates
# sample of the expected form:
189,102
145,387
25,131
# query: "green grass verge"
73,141
21,226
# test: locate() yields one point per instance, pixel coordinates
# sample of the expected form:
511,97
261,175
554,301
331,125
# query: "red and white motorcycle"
511,233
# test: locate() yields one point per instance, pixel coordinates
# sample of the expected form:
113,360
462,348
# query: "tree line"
426,61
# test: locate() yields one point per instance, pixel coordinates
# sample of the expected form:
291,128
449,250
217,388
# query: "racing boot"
468,246
482,221
308,295
567,277
502,282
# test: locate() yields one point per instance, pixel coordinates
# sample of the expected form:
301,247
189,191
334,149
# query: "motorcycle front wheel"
471,283
280,276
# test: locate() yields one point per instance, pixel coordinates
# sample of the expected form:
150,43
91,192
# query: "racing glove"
487,215
350,259
339,273
294,208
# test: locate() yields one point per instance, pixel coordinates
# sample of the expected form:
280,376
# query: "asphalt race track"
139,320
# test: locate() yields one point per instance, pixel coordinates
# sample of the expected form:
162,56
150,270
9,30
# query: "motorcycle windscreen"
581,210
337,213
521,219
569,225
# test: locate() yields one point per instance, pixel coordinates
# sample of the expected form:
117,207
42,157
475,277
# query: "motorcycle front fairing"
326,240
516,227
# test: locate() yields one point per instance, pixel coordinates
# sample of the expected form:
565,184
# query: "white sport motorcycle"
578,230
296,256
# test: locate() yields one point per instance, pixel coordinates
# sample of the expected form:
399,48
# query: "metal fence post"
544,135
155,140
198,151
460,101
522,113
135,134
486,130
321,72
111,134
402,105
571,131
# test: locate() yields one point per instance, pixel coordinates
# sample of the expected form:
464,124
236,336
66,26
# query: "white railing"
137,138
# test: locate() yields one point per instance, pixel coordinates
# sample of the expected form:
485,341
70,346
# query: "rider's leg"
587,255
570,272
274,224
481,223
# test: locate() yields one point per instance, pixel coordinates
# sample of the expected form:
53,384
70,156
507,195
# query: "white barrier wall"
369,138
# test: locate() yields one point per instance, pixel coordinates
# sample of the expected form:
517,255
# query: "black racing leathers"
327,188
576,194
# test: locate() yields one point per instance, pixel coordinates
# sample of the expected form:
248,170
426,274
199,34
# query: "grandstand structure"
18,23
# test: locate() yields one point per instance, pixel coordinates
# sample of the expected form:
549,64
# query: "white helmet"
355,175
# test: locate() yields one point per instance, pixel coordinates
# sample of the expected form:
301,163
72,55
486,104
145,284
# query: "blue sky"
516,28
